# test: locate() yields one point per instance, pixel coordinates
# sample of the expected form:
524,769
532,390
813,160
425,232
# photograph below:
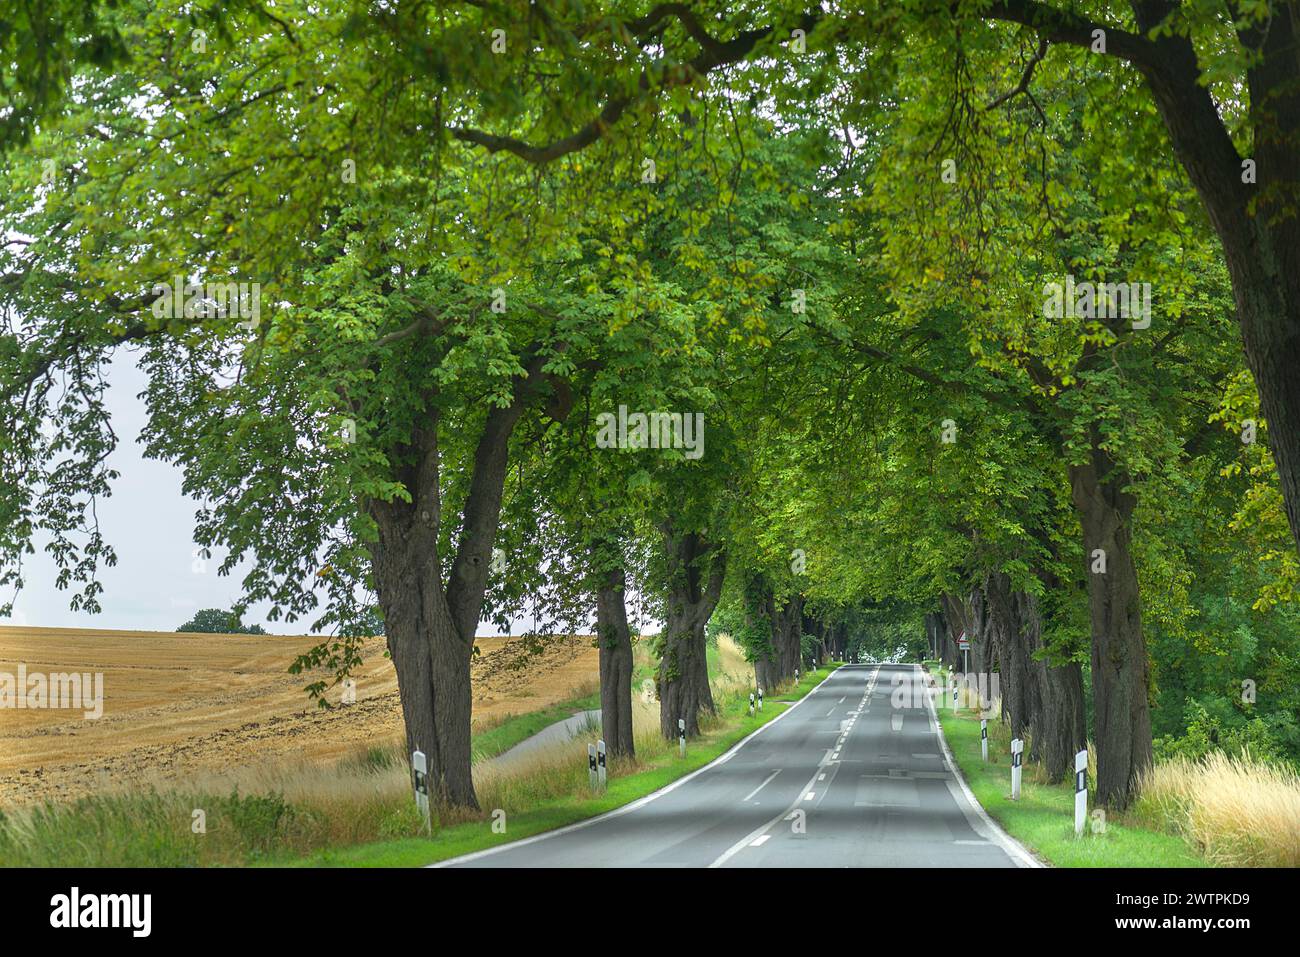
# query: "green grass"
358,811
1043,818
502,737
733,724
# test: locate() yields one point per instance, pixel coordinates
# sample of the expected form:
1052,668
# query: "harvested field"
180,704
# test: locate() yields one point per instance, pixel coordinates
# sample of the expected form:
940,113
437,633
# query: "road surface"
844,779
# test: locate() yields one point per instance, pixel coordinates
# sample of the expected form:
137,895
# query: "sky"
157,584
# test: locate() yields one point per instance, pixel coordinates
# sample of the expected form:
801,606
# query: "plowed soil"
179,703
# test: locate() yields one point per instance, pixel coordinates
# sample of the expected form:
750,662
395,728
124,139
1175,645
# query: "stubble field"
179,705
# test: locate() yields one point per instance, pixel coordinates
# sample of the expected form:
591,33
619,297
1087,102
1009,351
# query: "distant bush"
214,621
1209,734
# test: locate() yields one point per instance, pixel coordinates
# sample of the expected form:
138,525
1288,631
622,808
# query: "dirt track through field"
178,704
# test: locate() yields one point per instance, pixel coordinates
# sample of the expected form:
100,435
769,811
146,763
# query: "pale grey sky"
149,522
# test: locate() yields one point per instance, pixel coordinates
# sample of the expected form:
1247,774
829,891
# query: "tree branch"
1066,26
1023,85
714,54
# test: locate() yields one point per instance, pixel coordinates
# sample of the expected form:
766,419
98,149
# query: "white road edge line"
749,839
639,802
978,818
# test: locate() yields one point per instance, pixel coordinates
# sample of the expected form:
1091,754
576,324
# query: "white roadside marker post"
984,739
591,765
1080,790
602,775
1017,750
420,776
751,703
760,699
681,735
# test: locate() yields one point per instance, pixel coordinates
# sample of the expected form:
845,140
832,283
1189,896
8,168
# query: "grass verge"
501,737
1043,818
627,783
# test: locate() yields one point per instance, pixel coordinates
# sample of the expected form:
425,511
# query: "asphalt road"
846,778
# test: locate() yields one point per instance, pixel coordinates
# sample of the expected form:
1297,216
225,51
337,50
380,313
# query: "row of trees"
479,236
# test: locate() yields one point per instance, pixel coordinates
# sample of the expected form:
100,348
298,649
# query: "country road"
843,779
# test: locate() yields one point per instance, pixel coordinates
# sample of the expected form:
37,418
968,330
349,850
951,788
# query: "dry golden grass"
180,707
293,804
735,674
1238,811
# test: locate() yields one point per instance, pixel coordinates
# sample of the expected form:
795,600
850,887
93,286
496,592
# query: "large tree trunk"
1120,672
430,630
811,626
614,640
429,654
959,617
431,660
839,640
982,651
1255,222
787,633
934,634
951,621
700,639
696,570
1060,728
1043,700
1018,688
759,623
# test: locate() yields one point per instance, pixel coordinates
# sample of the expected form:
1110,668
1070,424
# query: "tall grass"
1238,811
284,808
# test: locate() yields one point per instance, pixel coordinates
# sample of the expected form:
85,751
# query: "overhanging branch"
714,53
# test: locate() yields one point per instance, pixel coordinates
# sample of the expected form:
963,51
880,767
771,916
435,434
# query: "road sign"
963,642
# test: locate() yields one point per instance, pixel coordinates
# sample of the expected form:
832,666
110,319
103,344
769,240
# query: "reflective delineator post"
760,699
591,765
1080,790
751,702
1017,751
602,775
420,778
681,735
984,739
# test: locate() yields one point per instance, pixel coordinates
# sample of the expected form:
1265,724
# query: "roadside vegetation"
361,811
991,348
1217,809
